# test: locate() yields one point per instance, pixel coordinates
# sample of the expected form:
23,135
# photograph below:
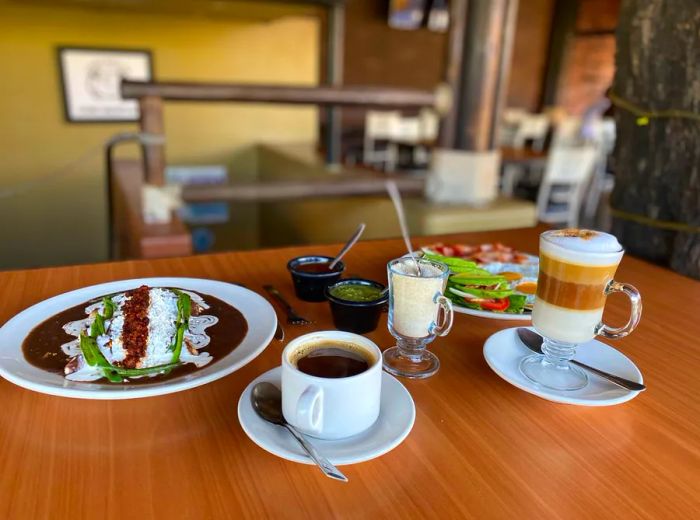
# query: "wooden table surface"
480,448
522,155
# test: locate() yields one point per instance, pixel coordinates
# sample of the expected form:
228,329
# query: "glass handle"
445,315
635,312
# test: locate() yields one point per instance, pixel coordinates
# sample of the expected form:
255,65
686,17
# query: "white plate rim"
548,394
253,343
275,374
492,315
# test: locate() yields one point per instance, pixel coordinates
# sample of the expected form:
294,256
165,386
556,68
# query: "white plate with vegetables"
135,338
494,290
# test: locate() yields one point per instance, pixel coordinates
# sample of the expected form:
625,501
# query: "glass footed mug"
575,278
418,313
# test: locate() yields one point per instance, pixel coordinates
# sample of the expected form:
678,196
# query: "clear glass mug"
572,289
418,313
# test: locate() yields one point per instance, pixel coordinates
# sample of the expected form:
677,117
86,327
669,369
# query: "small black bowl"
310,286
358,317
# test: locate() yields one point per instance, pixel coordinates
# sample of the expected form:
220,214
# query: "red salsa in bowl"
311,275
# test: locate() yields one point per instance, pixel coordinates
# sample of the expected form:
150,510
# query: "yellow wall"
64,221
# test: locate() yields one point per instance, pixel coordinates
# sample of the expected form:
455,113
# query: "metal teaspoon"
351,242
266,399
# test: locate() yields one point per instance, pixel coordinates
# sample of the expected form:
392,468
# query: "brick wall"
530,49
589,63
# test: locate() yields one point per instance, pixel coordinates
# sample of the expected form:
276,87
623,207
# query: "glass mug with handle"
418,313
577,267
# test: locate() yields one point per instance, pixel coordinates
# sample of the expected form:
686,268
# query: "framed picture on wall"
91,82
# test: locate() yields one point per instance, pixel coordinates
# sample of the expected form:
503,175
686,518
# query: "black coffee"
333,361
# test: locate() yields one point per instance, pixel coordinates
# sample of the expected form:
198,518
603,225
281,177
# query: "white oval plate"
504,350
257,311
396,417
492,315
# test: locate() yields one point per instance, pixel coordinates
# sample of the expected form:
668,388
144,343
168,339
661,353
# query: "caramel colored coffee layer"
577,296
576,273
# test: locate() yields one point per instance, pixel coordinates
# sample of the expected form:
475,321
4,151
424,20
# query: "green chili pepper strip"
177,348
98,326
109,307
184,308
143,371
94,357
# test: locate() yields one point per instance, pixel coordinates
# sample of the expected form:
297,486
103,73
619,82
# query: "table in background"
480,448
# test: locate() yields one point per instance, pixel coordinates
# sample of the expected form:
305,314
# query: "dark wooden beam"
288,190
324,95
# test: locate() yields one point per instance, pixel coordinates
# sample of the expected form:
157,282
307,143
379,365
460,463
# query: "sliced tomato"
498,304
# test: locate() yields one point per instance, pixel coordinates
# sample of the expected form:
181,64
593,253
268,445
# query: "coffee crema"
332,359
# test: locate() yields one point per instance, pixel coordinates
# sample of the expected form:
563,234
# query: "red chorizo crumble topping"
135,331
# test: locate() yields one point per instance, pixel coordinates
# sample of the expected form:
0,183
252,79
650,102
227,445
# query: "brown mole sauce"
42,346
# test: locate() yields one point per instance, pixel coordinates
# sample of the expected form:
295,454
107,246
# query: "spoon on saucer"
351,242
266,399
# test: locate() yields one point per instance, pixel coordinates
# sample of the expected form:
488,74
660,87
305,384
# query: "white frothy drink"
413,308
575,268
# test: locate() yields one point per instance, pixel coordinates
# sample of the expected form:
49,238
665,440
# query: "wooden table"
522,156
480,448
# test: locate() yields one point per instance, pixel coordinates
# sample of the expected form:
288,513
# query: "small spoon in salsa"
351,242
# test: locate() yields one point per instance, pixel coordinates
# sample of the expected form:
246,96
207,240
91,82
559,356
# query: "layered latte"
575,268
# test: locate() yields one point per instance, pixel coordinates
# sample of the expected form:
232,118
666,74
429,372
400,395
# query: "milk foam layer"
581,246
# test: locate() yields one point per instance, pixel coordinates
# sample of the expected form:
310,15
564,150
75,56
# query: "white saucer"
504,350
395,421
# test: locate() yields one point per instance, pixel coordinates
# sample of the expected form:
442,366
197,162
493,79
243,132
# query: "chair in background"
429,128
417,133
510,120
381,127
602,182
565,177
567,132
532,127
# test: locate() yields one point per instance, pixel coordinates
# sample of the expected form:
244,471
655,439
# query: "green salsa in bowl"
356,304
356,292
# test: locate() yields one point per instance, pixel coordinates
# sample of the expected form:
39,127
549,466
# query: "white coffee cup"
331,408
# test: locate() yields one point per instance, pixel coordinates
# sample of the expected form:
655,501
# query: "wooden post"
656,200
153,154
453,70
563,25
510,21
484,40
334,77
